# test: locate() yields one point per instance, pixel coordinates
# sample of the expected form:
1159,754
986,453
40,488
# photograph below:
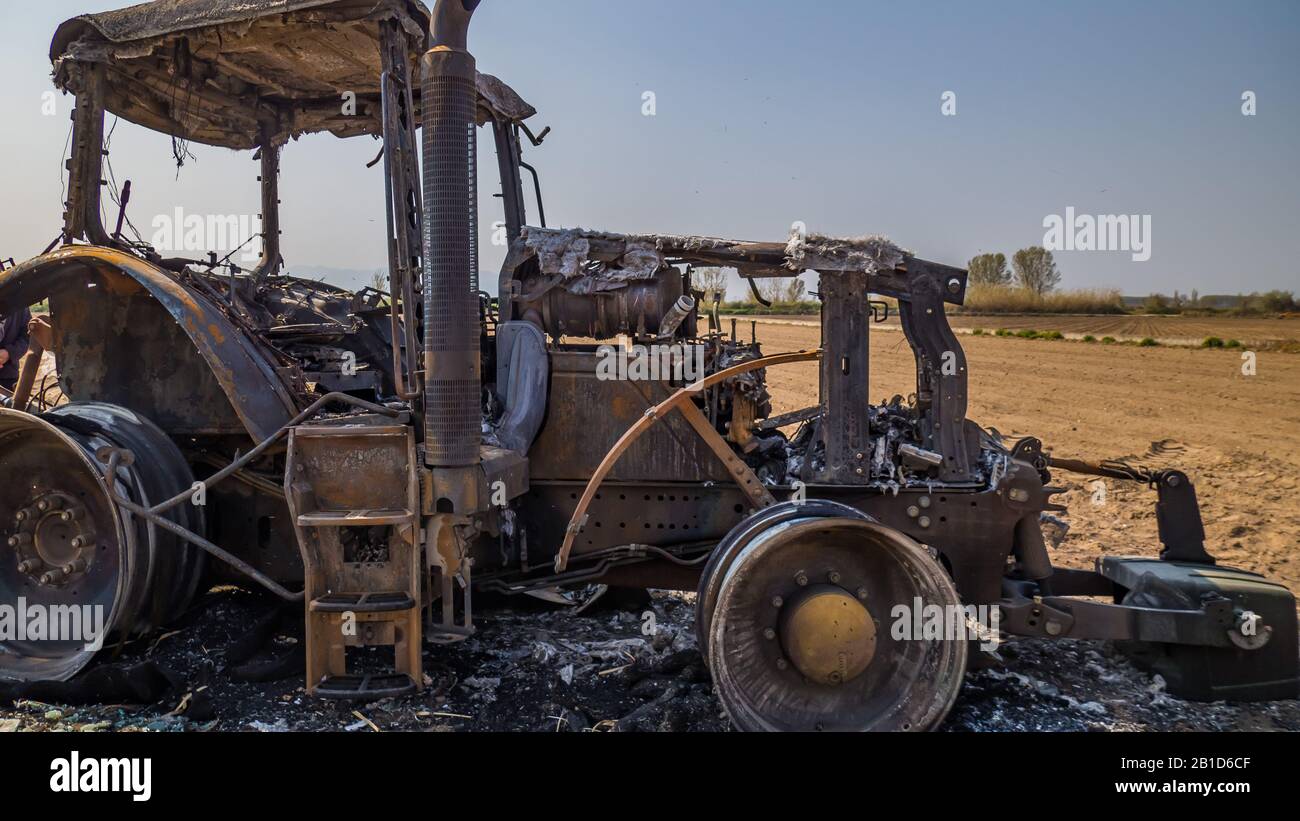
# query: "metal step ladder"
354,496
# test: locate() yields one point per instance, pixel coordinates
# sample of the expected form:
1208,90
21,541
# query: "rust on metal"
744,477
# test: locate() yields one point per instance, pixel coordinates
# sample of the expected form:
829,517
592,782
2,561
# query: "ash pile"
594,660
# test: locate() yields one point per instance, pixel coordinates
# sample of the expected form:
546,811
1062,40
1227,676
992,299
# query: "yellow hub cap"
828,635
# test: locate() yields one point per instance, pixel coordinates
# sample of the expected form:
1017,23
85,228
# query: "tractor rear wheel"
800,636
67,552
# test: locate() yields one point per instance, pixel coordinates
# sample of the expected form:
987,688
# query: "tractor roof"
218,71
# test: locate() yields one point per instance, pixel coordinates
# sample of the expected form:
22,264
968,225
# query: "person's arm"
16,348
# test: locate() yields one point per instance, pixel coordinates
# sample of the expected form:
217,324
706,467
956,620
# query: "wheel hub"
827,634
54,540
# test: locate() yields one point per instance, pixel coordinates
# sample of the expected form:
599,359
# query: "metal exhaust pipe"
449,96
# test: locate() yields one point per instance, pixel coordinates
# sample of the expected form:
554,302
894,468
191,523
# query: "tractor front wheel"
801,638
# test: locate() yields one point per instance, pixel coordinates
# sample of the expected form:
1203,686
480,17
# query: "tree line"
1032,268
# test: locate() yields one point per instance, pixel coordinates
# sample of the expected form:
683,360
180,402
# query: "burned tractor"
379,457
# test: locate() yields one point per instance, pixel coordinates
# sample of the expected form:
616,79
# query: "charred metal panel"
942,362
127,351
587,415
629,513
248,379
845,428
256,527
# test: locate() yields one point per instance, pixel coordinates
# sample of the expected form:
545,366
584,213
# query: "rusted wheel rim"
65,552
64,544
801,635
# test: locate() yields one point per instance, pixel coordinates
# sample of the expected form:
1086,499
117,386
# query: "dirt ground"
1173,330
1266,332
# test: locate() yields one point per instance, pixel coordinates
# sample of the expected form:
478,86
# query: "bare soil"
1174,330
1169,330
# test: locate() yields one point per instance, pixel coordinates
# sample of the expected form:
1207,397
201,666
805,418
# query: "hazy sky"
826,112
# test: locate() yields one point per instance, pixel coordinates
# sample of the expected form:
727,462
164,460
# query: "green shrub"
1148,342
1027,333
1211,342
1002,332
1108,340
1051,335
1089,338
1232,343
977,332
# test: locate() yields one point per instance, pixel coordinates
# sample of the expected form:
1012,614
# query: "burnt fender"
110,311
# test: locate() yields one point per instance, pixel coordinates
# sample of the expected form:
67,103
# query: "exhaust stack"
449,96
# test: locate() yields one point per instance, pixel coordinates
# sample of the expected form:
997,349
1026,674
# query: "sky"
830,113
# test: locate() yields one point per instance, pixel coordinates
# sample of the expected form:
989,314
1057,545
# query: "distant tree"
1194,301
711,281
782,290
989,269
1035,269
1156,304
1271,302
379,280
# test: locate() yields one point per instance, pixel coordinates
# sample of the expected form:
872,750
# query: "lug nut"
769,633
862,593
52,503
924,521
29,565
52,577
834,576
925,501
78,542
801,578
781,664
777,601
913,511
74,566
20,516
20,539
72,514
